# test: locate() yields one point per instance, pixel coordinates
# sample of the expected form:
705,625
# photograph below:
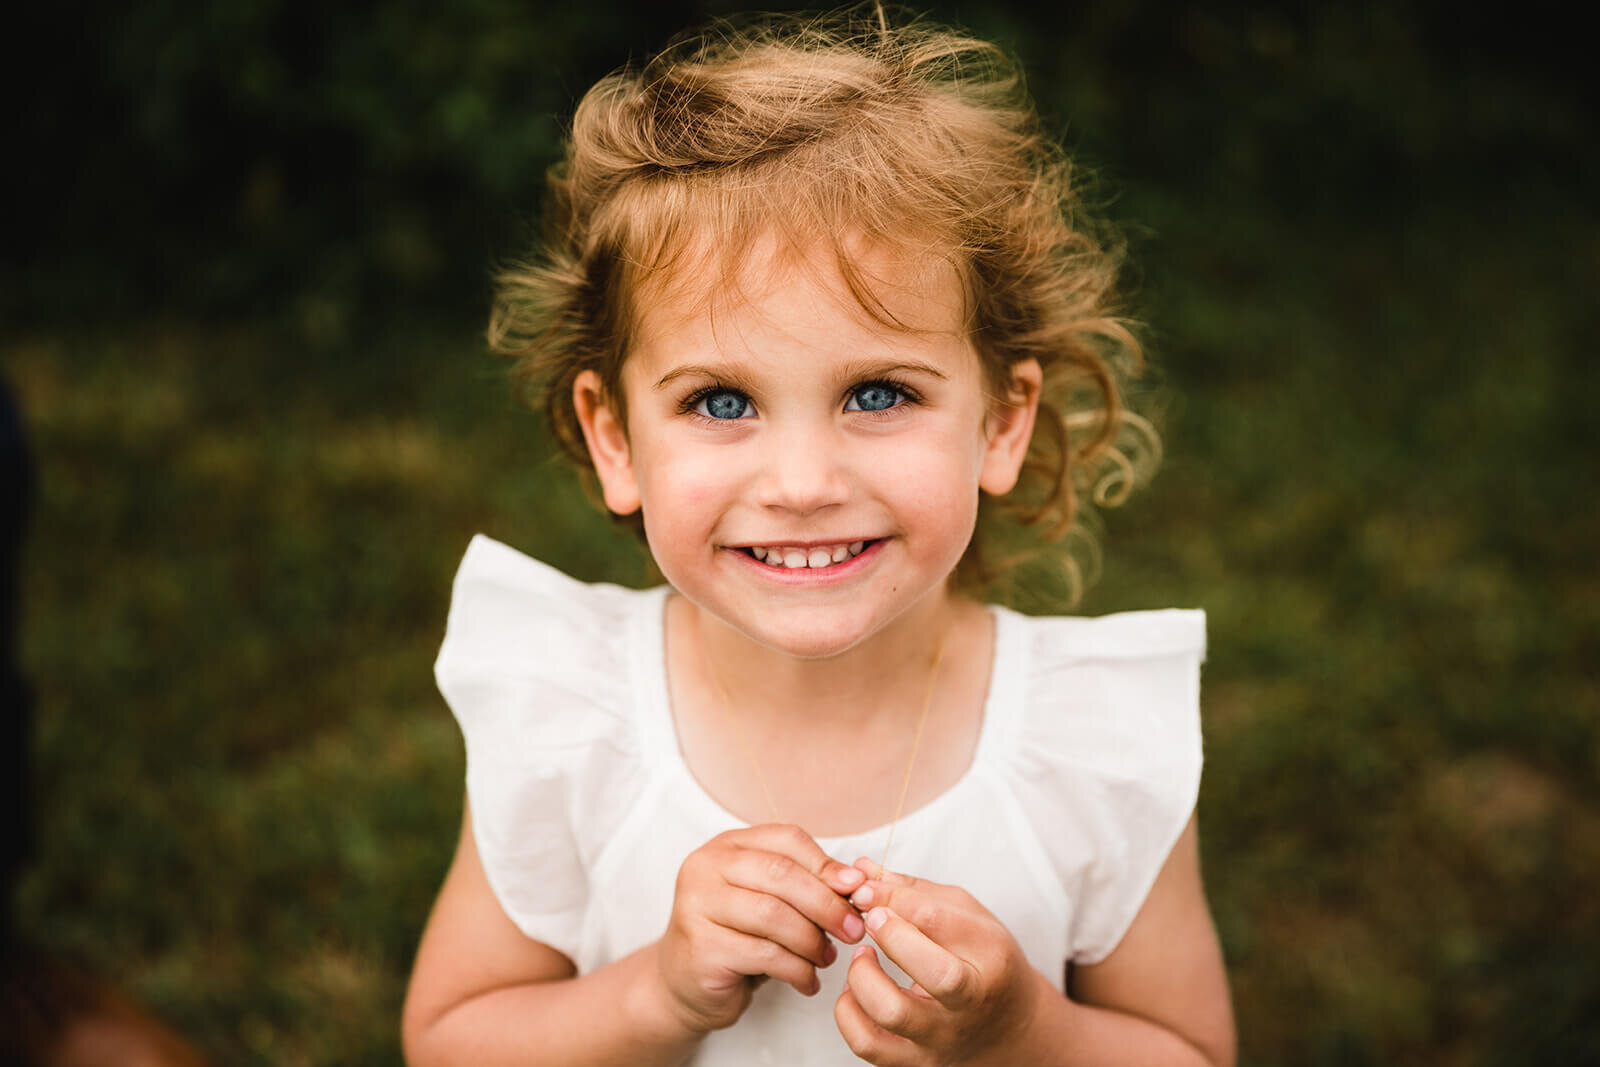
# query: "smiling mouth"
817,557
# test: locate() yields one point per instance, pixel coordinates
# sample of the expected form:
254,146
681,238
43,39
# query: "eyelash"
908,396
692,401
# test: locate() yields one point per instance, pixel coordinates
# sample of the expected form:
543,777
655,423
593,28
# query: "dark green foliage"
247,351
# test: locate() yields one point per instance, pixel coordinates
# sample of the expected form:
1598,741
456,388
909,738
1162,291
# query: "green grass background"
265,429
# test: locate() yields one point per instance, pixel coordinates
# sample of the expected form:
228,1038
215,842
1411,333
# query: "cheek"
938,486
947,464
684,489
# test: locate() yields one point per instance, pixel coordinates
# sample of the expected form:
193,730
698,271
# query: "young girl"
811,294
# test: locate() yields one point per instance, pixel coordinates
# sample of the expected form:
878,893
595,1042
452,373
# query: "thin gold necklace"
755,765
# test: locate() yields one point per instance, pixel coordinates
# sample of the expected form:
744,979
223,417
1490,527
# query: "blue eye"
874,396
723,404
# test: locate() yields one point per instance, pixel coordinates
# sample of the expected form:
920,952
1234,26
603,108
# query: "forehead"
850,290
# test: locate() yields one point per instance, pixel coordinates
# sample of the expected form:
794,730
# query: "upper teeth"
795,558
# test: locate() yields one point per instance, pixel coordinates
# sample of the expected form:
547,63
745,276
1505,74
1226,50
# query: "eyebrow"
690,369
876,369
855,371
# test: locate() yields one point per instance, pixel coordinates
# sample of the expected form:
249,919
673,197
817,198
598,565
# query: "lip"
818,543
806,575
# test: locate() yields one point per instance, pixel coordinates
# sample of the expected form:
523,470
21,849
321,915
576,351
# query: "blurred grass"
1373,309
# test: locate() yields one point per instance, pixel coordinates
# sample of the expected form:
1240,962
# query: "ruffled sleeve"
1108,759
534,667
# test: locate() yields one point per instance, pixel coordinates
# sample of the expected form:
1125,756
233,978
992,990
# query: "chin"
806,635
813,647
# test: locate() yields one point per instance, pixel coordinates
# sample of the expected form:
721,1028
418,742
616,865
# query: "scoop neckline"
659,733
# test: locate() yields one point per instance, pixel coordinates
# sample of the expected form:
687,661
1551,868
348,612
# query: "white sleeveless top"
1086,770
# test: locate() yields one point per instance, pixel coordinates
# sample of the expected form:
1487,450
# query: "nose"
804,469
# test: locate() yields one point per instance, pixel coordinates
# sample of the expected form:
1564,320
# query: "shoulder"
515,611
544,674
1107,756
541,672
1093,687
525,639
1131,638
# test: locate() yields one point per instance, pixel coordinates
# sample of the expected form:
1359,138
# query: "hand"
752,904
974,993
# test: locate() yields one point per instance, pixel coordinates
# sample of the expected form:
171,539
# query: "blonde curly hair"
914,136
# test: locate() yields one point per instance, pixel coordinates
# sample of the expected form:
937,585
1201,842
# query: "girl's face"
805,473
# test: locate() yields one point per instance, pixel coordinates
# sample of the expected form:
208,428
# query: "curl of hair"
914,136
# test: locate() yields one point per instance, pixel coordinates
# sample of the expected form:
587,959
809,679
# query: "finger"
794,842
795,881
876,872
945,976
771,917
866,1038
945,913
899,1011
748,954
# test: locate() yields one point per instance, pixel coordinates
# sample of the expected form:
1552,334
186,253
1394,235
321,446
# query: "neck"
884,678
834,744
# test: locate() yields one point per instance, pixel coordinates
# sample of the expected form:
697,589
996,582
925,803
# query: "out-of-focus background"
242,299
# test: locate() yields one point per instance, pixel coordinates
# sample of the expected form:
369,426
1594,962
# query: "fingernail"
850,877
876,918
862,898
853,927
861,950
829,954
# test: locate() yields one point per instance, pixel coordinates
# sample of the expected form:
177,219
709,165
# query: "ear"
1009,429
607,438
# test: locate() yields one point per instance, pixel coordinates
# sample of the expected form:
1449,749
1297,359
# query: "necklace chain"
755,764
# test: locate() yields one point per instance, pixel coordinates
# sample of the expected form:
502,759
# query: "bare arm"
483,992
1162,996
749,904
